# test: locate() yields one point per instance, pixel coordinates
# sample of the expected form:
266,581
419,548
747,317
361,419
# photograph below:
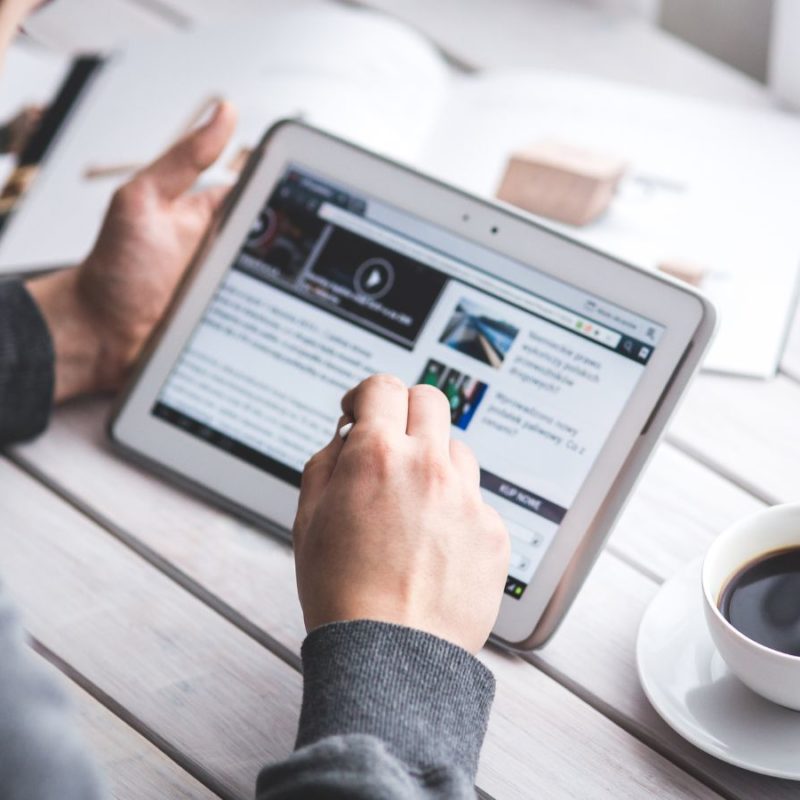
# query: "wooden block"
562,182
686,271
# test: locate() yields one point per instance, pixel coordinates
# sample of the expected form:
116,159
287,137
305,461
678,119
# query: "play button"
374,278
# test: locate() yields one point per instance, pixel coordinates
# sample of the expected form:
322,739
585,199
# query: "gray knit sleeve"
42,757
26,365
387,712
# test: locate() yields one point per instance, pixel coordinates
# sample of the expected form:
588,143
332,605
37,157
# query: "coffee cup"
766,535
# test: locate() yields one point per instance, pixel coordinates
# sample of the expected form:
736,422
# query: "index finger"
379,403
316,476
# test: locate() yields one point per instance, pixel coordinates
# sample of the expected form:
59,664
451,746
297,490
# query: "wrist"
77,341
426,699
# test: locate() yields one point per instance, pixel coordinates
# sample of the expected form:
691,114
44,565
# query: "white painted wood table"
178,629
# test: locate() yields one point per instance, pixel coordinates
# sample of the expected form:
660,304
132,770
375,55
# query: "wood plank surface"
542,743
206,544
509,767
675,513
221,700
678,509
132,767
594,653
75,449
747,430
520,697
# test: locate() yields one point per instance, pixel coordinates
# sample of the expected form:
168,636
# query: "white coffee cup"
768,672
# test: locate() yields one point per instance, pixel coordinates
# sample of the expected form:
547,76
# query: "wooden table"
178,629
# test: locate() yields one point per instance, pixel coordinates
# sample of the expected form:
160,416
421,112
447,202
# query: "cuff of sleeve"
26,365
426,698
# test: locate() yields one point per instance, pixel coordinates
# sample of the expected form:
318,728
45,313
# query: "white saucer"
690,686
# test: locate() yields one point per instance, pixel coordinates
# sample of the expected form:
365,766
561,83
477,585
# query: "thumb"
178,168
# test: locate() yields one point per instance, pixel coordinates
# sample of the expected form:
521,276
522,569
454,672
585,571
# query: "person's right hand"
392,526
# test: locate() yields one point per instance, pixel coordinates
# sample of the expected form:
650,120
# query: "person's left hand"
101,313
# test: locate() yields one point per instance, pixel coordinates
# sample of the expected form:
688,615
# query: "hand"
101,313
12,15
391,523
19,9
17,131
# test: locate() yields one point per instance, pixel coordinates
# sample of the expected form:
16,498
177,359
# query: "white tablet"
561,364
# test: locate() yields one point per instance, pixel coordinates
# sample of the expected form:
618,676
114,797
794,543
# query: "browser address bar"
561,316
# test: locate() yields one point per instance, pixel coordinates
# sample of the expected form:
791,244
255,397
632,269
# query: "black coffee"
762,600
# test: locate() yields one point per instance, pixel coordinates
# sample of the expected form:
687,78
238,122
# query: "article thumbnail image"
463,392
476,333
286,231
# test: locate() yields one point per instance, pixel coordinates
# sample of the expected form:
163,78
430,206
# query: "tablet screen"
331,286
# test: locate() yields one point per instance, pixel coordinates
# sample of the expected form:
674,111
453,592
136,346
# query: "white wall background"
735,31
761,38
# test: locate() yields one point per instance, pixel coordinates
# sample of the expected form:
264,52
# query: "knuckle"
460,448
493,519
385,380
377,455
474,506
195,149
498,533
464,453
299,529
312,465
428,392
433,467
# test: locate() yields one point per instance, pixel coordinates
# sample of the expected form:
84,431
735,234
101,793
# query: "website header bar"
456,269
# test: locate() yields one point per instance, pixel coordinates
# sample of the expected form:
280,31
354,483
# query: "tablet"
329,263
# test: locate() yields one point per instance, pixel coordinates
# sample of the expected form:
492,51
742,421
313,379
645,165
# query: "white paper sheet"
712,185
352,72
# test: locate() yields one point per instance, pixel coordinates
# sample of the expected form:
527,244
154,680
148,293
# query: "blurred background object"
620,39
562,182
784,54
676,90
734,31
15,132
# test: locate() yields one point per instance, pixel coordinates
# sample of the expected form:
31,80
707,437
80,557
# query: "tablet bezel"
687,317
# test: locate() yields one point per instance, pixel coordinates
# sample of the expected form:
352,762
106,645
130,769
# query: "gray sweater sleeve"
26,365
41,755
388,712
